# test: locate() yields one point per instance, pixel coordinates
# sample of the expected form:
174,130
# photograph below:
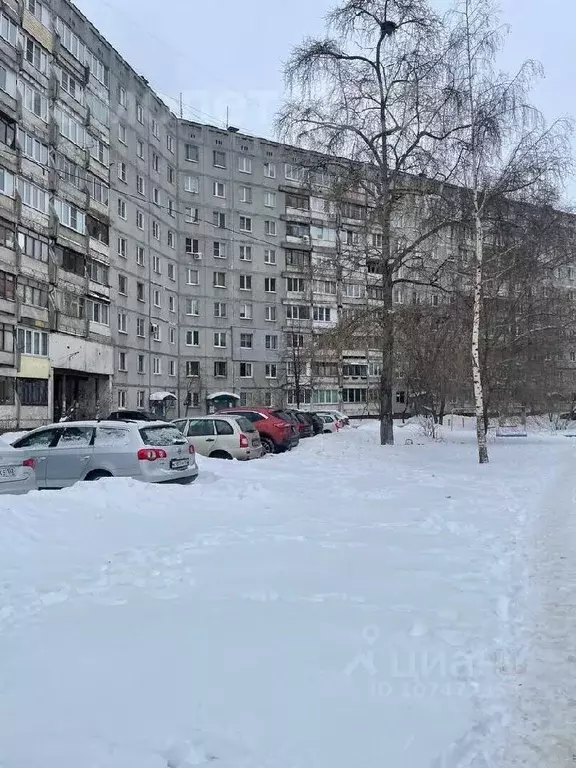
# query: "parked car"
154,452
125,415
222,437
331,423
305,429
314,420
341,417
17,472
277,433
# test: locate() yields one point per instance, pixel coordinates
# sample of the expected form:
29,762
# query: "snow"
340,605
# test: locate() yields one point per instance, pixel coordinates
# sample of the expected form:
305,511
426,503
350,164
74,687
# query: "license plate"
7,471
179,464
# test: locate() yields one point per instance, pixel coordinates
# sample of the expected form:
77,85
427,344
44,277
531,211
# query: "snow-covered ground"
341,606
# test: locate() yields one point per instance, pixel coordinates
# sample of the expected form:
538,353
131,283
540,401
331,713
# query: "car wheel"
220,455
98,474
267,445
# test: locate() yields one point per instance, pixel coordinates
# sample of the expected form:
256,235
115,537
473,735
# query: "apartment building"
152,262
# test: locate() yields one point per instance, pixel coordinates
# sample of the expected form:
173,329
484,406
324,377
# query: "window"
156,196
7,183
122,208
245,164
140,185
245,224
35,55
270,313
170,143
322,314
270,284
8,29
122,322
99,151
155,129
98,109
269,256
34,392
140,292
171,304
37,198
297,312
172,335
140,255
99,191
220,370
270,170
400,397
218,159
7,286
172,368
294,172
219,219
192,368
192,276
156,230
31,342
157,298
220,339
70,216
140,149
295,284
192,215
156,366
72,87
246,341
140,398
245,253
156,332
192,184
191,245
355,371
218,189
123,285
122,172
192,307
245,370
325,286
140,327
139,219
270,199
219,280
246,311
191,153
354,395
297,258
192,338
170,174
34,101
295,340
270,371
245,194
122,97
220,309
7,241
141,364
245,282
219,250
171,271
97,272
6,390
32,293
155,162
98,312
270,228
139,113
122,361
7,132
271,341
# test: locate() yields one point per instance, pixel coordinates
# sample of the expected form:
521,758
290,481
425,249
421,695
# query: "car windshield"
161,435
244,424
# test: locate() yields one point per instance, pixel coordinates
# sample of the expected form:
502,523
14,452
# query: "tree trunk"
387,376
442,410
481,431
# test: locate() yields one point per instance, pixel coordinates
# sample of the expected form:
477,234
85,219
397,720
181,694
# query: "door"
69,460
202,435
37,446
226,440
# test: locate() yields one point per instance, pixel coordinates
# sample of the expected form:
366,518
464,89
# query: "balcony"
98,248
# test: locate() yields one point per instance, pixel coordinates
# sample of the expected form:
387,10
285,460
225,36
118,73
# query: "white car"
331,423
17,472
222,437
338,415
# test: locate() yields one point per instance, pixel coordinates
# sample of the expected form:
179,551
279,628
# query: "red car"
276,433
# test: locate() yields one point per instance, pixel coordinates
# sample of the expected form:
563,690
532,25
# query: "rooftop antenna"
181,106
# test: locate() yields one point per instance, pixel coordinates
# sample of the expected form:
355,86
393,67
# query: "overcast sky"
230,53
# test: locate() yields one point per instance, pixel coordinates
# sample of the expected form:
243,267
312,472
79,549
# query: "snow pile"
340,605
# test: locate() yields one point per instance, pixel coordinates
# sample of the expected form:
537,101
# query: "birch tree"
371,96
506,154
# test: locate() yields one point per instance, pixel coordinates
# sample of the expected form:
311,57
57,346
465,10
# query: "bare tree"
371,96
505,154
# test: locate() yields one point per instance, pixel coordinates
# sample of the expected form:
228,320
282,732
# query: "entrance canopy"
160,397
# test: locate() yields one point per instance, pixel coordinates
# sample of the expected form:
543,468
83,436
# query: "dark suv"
305,428
276,433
